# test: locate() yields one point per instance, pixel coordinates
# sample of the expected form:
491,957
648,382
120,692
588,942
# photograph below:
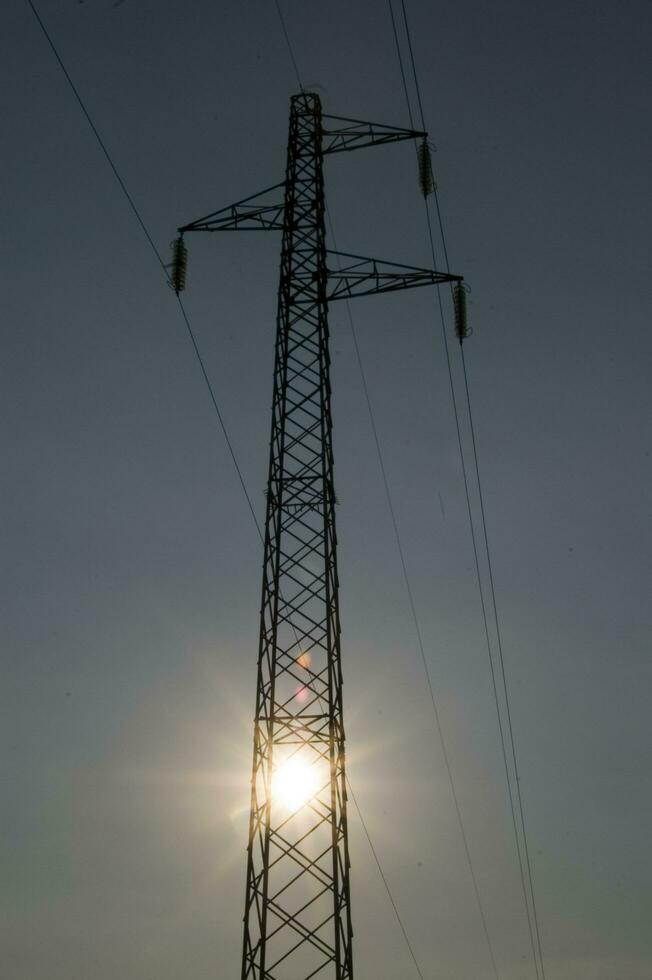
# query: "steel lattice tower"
297,920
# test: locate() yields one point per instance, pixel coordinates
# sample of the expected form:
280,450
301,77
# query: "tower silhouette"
297,916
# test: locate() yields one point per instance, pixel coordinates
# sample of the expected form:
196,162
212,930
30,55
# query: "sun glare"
294,783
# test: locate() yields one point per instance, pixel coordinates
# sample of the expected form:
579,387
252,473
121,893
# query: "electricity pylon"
297,919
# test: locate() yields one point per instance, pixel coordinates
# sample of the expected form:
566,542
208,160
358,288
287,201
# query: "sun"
294,783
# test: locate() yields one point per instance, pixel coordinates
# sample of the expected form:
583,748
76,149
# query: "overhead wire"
456,416
289,44
225,433
517,777
152,244
532,917
467,488
385,881
419,637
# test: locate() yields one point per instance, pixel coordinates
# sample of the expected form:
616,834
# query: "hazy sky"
131,568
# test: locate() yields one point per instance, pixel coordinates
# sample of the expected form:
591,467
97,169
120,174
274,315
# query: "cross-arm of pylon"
250,214
360,276
353,134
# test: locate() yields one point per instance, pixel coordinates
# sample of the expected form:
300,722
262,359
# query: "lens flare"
294,784
303,660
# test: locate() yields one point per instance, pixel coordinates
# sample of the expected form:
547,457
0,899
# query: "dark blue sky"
131,566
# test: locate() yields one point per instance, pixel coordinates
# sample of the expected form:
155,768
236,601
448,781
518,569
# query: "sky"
131,571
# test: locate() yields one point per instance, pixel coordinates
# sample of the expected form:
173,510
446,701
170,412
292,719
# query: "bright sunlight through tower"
295,783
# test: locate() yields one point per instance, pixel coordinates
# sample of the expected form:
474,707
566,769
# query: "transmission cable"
533,925
502,667
417,629
384,880
155,250
534,919
289,44
465,479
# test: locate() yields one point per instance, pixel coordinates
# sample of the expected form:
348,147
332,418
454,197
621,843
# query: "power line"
99,139
219,415
417,628
469,508
431,692
385,882
532,919
400,64
145,230
502,664
289,45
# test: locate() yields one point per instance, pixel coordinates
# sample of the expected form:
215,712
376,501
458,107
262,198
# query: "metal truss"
355,134
363,277
243,216
297,916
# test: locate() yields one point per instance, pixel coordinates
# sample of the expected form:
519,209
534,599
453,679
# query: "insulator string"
426,179
179,265
459,308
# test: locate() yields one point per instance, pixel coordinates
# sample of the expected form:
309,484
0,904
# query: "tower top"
306,102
